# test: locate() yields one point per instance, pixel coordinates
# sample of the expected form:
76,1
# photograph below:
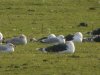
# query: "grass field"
38,18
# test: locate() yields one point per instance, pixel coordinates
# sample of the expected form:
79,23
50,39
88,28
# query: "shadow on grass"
74,56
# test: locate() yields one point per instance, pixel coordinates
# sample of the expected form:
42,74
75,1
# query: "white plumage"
78,37
54,40
7,48
20,40
1,37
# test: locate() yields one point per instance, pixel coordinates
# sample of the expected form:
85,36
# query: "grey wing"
13,40
3,48
52,40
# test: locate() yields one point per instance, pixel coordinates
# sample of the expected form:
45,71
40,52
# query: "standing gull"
68,47
20,40
7,48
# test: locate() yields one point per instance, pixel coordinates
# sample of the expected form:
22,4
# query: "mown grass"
38,18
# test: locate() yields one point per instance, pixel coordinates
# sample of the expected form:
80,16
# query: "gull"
95,38
49,36
19,40
67,47
54,40
7,48
77,37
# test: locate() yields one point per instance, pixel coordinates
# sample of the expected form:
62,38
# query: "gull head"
10,47
61,37
51,36
78,34
22,36
78,37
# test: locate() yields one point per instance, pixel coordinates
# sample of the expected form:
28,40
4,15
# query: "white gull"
7,48
20,40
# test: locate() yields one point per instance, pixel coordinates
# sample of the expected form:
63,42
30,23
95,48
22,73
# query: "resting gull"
67,47
49,36
7,48
20,40
95,38
94,32
77,37
54,40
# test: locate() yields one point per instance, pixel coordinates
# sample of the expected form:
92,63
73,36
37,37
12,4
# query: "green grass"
58,16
